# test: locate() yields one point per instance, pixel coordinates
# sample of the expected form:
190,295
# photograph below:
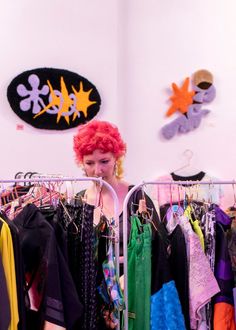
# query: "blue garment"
166,312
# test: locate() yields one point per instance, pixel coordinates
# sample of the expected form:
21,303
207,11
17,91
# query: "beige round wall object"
202,76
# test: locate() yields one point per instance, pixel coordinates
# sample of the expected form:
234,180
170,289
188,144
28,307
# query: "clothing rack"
71,179
125,219
60,179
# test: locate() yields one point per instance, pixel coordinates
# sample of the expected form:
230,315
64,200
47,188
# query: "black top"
196,177
47,271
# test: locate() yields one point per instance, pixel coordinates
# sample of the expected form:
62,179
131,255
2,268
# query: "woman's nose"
97,170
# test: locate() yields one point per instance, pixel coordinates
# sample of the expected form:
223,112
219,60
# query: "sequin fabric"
78,219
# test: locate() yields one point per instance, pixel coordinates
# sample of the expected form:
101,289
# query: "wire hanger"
188,155
141,208
233,207
70,219
211,189
142,205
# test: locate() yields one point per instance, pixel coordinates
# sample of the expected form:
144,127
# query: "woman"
99,150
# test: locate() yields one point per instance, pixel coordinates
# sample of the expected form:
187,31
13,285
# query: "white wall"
80,36
165,42
132,51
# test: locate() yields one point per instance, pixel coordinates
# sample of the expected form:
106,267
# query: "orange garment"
51,326
224,317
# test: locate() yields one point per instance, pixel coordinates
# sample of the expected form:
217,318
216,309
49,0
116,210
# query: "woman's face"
100,164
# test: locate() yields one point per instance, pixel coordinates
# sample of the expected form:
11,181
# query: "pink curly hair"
100,135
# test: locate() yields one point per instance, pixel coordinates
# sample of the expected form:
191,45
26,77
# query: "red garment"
224,317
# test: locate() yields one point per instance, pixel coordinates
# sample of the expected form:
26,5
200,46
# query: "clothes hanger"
187,168
111,230
70,219
233,207
174,213
210,189
19,175
141,208
231,211
188,155
98,209
175,210
146,213
27,176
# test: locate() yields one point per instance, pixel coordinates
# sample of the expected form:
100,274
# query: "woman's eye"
105,161
89,163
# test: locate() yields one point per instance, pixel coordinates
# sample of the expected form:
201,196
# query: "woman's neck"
119,186
114,182
101,195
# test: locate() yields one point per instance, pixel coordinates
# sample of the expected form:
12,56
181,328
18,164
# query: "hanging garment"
82,257
164,194
223,272
131,207
179,270
110,288
231,235
139,275
231,238
5,313
208,226
202,283
7,253
224,317
50,214
195,224
166,311
49,281
19,269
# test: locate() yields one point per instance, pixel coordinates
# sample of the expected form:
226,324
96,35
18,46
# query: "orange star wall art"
187,103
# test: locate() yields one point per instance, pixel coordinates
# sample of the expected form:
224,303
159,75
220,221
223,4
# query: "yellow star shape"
56,101
82,101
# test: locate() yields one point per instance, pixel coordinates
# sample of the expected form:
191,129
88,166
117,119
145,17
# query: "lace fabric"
202,283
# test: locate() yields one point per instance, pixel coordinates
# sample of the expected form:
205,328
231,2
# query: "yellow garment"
195,225
8,261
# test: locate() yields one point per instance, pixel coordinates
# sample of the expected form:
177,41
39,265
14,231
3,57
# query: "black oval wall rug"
53,99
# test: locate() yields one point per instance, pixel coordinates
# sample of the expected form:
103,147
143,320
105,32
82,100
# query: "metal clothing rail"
71,179
125,219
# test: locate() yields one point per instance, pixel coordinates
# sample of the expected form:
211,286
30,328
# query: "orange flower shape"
181,98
